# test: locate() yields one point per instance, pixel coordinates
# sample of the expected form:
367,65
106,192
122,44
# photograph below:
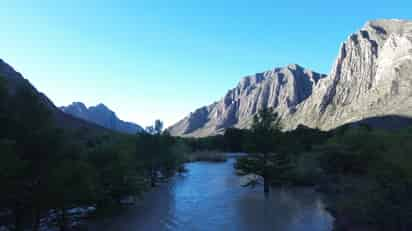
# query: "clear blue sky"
163,59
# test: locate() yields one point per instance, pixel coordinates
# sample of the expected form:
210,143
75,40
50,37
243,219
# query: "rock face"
282,88
372,77
102,116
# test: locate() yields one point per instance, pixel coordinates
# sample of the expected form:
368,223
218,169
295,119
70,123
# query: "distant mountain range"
95,120
14,80
101,115
371,79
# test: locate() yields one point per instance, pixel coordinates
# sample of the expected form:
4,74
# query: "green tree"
179,151
117,173
147,153
27,124
71,184
3,94
158,126
156,156
262,145
13,193
233,139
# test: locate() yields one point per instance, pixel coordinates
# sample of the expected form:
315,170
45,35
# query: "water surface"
209,197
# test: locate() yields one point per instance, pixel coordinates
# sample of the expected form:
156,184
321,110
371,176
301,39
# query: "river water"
210,198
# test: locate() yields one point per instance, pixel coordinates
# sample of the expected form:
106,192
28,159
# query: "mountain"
14,80
371,78
282,88
102,116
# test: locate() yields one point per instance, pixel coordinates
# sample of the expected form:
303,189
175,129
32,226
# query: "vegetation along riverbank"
365,173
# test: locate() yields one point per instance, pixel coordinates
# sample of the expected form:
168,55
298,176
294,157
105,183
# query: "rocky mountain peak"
102,107
76,114
79,106
281,88
388,26
101,115
372,63
372,76
101,110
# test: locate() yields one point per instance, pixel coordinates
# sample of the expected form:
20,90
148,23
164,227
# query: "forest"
364,173
46,172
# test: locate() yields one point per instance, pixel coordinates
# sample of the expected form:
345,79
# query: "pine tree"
262,144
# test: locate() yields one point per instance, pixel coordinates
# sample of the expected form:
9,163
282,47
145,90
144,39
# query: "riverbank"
336,191
209,197
206,181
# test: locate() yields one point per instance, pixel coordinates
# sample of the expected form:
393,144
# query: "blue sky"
163,59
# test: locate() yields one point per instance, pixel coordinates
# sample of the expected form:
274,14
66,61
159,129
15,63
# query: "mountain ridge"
15,80
372,76
101,115
272,87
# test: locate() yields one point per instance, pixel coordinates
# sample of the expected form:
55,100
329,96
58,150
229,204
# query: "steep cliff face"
101,115
282,88
372,76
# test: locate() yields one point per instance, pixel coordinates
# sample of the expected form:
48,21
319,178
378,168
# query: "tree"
153,151
179,152
71,183
13,194
4,114
156,155
3,94
26,124
150,130
158,126
262,144
148,155
117,172
233,139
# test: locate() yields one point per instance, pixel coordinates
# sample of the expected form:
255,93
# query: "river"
210,198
